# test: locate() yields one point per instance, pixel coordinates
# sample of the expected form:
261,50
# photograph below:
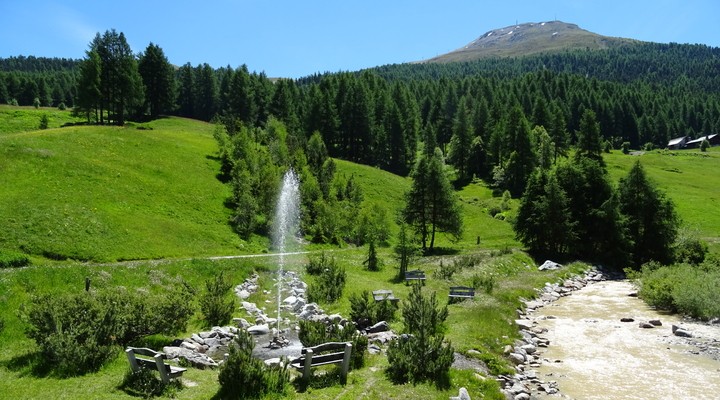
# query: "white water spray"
287,218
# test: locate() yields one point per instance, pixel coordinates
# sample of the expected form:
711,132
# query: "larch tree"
649,218
431,204
158,79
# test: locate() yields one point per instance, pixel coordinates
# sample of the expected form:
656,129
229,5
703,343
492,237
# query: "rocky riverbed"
604,342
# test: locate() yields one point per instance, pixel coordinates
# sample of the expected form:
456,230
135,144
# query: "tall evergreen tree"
431,205
88,101
649,218
159,80
589,143
461,140
186,91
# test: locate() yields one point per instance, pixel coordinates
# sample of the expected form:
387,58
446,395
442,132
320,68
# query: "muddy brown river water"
603,358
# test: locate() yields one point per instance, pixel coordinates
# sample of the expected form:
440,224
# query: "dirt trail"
604,358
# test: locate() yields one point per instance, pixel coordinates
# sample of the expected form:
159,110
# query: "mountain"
531,38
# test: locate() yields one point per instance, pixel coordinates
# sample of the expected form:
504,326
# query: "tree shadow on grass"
28,364
320,379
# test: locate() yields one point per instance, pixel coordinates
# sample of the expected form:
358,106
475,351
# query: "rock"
646,325
633,294
381,326
197,339
291,300
627,319
373,349
273,361
682,333
249,307
655,322
241,323
381,337
524,323
507,349
462,395
474,353
549,266
529,348
336,318
516,358
243,294
259,329
522,396
197,360
190,345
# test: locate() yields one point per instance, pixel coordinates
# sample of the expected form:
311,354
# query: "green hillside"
688,177
111,193
23,119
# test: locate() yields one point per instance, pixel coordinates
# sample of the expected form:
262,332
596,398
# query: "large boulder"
381,326
197,360
549,266
261,329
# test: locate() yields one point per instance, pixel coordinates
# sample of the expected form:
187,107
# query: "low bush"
143,383
684,288
217,303
318,264
11,259
484,282
77,333
243,376
313,333
328,285
365,311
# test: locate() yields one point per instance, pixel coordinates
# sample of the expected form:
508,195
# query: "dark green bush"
217,303
691,250
319,263
243,376
62,106
328,285
144,383
44,122
78,332
11,259
484,282
365,311
313,333
625,147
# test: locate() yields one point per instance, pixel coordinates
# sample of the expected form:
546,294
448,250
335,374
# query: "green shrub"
78,332
243,376
36,103
649,146
217,303
691,250
484,282
704,145
13,102
313,333
2,325
625,147
445,271
143,383
421,354
11,259
365,311
372,262
44,122
62,106
328,285
318,264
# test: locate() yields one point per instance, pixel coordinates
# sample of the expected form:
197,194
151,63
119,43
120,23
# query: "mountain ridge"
531,38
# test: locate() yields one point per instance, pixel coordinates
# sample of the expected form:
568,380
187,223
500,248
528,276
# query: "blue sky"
295,38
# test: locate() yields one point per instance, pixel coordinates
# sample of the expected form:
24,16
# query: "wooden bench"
461,292
317,356
415,276
157,363
380,295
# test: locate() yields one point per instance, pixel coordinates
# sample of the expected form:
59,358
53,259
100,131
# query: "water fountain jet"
285,228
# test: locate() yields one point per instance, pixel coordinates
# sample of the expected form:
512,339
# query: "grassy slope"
112,193
688,177
23,119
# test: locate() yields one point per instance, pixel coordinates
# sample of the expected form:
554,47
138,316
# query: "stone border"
526,352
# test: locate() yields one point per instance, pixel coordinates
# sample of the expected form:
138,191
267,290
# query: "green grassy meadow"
23,119
149,191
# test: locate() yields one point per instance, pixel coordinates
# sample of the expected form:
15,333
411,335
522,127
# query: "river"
592,355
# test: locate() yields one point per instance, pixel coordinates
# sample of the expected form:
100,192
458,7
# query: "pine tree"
431,205
88,90
159,80
589,140
649,218
461,140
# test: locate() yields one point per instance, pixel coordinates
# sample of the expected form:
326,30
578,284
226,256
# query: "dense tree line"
569,209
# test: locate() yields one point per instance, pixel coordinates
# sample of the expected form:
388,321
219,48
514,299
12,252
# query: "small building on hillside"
678,143
714,140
